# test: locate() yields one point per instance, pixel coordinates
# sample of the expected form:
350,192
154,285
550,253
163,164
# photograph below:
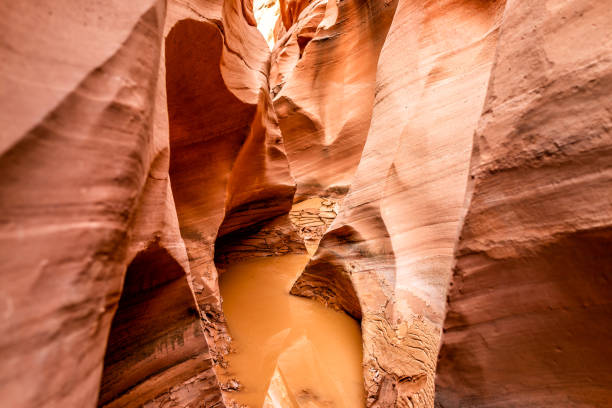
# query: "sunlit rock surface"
387,257
267,15
322,79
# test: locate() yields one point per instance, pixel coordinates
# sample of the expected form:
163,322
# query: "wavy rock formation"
530,307
89,227
147,142
323,96
227,164
80,158
387,257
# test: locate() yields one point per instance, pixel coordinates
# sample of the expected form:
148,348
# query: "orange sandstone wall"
525,227
100,103
322,81
530,307
387,257
81,160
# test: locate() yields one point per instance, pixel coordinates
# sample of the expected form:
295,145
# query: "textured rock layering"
144,140
530,308
88,223
387,257
323,96
80,162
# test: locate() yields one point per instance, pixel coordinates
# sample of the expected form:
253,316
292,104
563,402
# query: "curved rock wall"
529,310
322,78
387,257
529,297
90,117
79,159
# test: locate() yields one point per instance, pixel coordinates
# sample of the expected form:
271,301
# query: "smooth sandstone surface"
148,145
530,307
387,257
94,98
322,80
80,158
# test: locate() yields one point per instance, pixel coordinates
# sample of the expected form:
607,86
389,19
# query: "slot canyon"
305,203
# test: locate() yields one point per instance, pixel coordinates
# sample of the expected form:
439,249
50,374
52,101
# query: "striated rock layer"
387,257
530,308
82,165
322,78
94,98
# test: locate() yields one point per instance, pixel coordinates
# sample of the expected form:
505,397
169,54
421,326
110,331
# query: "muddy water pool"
289,351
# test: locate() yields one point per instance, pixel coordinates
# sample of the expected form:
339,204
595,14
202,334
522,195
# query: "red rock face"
387,257
87,206
529,309
143,141
76,154
322,78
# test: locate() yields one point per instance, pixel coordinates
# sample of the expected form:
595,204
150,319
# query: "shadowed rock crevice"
202,147
156,340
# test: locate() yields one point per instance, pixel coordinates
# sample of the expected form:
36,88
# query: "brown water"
310,354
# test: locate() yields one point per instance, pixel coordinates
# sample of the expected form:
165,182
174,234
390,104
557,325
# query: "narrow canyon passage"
305,204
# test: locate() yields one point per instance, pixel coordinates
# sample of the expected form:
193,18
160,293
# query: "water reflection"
290,351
